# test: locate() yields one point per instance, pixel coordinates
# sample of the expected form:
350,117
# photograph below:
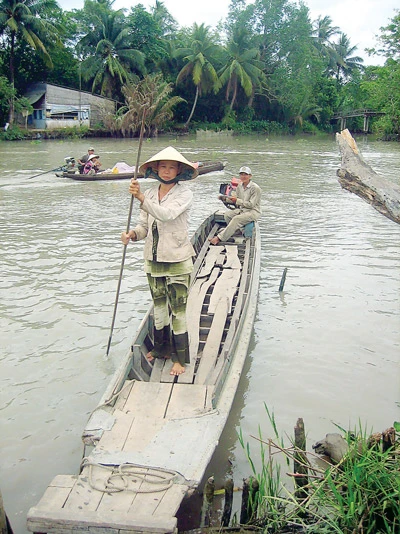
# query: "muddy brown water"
325,349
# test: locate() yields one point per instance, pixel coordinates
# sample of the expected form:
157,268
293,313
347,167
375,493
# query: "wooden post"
300,460
226,515
388,439
3,522
5,527
244,510
208,498
255,486
283,279
366,123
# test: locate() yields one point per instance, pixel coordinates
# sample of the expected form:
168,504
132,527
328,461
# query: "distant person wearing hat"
84,158
247,204
92,165
168,252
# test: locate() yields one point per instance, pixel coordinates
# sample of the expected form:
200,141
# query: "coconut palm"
26,20
110,59
323,31
306,110
163,18
199,68
242,68
345,62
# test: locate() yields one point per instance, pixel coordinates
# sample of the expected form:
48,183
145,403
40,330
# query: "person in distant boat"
247,206
84,158
92,166
168,252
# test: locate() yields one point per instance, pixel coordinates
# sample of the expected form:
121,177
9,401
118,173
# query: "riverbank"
18,134
236,128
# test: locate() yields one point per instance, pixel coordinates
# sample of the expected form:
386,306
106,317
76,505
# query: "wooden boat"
152,435
204,168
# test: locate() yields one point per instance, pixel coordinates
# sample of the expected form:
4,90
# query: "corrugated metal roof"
35,96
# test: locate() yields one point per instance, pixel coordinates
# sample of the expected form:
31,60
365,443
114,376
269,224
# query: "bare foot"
215,240
177,369
149,357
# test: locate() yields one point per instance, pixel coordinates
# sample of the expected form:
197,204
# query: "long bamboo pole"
127,229
45,172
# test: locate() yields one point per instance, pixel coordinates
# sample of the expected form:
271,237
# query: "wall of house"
51,124
61,107
98,105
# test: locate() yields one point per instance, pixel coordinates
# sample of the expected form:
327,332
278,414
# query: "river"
325,349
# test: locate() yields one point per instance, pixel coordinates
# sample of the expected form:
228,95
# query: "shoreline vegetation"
266,67
348,484
73,133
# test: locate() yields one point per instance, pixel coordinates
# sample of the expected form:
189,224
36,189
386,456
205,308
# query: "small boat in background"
152,435
70,171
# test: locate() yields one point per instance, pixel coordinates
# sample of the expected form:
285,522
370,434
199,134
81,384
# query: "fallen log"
358,177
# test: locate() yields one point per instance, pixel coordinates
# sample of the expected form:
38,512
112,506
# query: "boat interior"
153,434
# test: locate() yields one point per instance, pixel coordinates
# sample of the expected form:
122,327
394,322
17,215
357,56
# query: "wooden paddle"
127,230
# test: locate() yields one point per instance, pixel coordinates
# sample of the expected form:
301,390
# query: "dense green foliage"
266,64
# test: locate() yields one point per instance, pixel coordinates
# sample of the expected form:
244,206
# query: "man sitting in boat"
92,166
247,206
168,252
83,160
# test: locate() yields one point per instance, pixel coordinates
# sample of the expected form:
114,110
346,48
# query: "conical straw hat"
188,172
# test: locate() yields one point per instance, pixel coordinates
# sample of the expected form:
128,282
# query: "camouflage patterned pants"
169,295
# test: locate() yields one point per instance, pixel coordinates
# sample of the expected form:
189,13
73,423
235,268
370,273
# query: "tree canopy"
266,63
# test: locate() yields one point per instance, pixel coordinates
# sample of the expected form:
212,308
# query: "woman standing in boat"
163,223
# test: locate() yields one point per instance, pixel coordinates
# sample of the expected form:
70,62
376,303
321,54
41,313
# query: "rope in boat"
115,396
130,473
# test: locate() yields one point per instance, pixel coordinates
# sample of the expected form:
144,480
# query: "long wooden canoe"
153,435
204,168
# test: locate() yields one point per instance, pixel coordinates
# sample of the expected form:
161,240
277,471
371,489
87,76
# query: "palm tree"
345,63
199,67
243,67
322,34
307,109
26,20
110,59
323,29
164,19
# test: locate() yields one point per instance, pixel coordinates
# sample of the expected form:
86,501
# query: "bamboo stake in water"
283,279
208,498
226,516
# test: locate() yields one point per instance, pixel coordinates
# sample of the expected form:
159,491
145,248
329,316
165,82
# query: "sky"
359,19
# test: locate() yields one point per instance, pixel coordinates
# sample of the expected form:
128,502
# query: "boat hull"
157,430
204,168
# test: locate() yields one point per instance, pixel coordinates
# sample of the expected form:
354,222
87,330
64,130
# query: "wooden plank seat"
220,305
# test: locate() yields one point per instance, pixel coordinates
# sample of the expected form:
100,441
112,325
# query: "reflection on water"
325,349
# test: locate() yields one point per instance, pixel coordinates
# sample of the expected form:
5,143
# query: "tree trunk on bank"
193,107
358,177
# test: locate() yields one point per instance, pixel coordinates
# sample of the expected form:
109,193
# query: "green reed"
361,494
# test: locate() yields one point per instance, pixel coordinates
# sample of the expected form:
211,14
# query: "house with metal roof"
60,107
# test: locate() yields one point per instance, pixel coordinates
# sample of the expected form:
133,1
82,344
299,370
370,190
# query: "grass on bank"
360,494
